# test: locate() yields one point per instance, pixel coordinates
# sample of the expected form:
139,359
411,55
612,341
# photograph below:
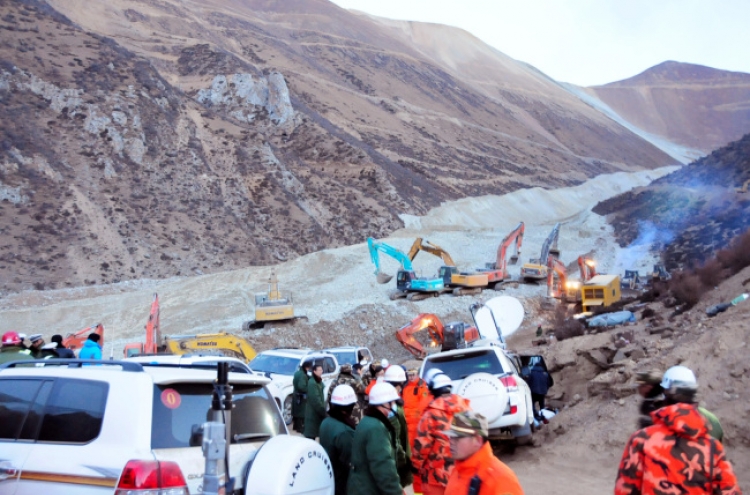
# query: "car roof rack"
72,363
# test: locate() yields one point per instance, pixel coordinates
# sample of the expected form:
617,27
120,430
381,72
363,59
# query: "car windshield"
345,357
269,363
181,409
459,366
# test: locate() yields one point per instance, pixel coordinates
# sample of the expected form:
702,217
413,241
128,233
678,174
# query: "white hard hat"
431,374
678,376
384,363
439,381
382,393
343,395
395,374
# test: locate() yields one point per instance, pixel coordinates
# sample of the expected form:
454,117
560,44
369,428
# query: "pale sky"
589,42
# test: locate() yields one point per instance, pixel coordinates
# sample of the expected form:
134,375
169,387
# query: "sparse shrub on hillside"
687,288
737,255
711,273
565,325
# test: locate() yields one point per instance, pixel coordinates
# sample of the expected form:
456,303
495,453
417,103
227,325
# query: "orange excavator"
75,340
455,335
153,334
497,272
557,279
463,283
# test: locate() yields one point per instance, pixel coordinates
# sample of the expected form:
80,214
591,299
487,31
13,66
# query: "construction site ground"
578,452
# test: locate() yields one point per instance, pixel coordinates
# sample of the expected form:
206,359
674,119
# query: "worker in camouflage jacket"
347,378
431,456
676,455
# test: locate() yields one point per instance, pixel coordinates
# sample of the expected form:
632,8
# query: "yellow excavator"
222,344
272,306
463,283
536,269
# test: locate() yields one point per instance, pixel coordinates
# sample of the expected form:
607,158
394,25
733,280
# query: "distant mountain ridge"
153,138
689,104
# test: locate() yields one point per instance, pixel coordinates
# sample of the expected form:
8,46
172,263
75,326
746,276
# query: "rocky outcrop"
243,96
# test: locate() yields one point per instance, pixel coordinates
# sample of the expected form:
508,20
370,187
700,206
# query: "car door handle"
7,470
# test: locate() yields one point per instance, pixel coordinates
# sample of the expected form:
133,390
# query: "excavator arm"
431,248
423,321
76,340
556,267
515,237
377,247
222,343
153,334
587,268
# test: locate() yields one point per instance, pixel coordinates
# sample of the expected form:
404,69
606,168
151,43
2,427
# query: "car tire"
286,411
524,434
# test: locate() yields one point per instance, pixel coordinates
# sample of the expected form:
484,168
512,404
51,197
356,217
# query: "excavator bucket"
384,278
513,259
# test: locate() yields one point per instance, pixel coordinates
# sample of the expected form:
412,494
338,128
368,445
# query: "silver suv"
102,427
490,377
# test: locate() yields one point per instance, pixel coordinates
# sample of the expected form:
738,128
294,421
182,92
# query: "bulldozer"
462,283
271,306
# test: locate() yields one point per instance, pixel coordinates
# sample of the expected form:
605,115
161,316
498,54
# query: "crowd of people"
385,428
14,347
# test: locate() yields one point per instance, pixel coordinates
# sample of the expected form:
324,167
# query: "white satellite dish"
502,314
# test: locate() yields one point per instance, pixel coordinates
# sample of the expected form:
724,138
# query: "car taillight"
151,478
509,382
513,409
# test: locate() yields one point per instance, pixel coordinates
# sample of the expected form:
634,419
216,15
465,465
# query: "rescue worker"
396,376
91,348
375,376
357,370
13,349
476,467
431,456
373,462
650,387
337,433
37,342
676,454
61,350
315,411
347,378
540,382
416,396
299,396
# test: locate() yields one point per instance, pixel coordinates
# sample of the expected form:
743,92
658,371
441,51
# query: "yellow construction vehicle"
271,306
536,269
223,344
462,283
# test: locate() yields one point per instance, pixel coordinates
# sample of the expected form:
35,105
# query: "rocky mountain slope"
156,139
691,213
688,104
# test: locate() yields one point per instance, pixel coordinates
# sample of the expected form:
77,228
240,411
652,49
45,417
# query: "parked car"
280,364
196,361
351,354
115,427
490,377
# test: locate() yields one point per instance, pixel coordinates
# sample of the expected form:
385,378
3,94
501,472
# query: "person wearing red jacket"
476,468
431,456
416,397
676,454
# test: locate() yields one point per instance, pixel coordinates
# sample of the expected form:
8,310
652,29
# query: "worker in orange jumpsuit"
476,469
416,396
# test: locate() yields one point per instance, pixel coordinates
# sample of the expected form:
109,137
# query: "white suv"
280,364
69,427
350,354
490,377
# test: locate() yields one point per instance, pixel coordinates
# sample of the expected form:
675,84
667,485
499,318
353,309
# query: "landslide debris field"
579,450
